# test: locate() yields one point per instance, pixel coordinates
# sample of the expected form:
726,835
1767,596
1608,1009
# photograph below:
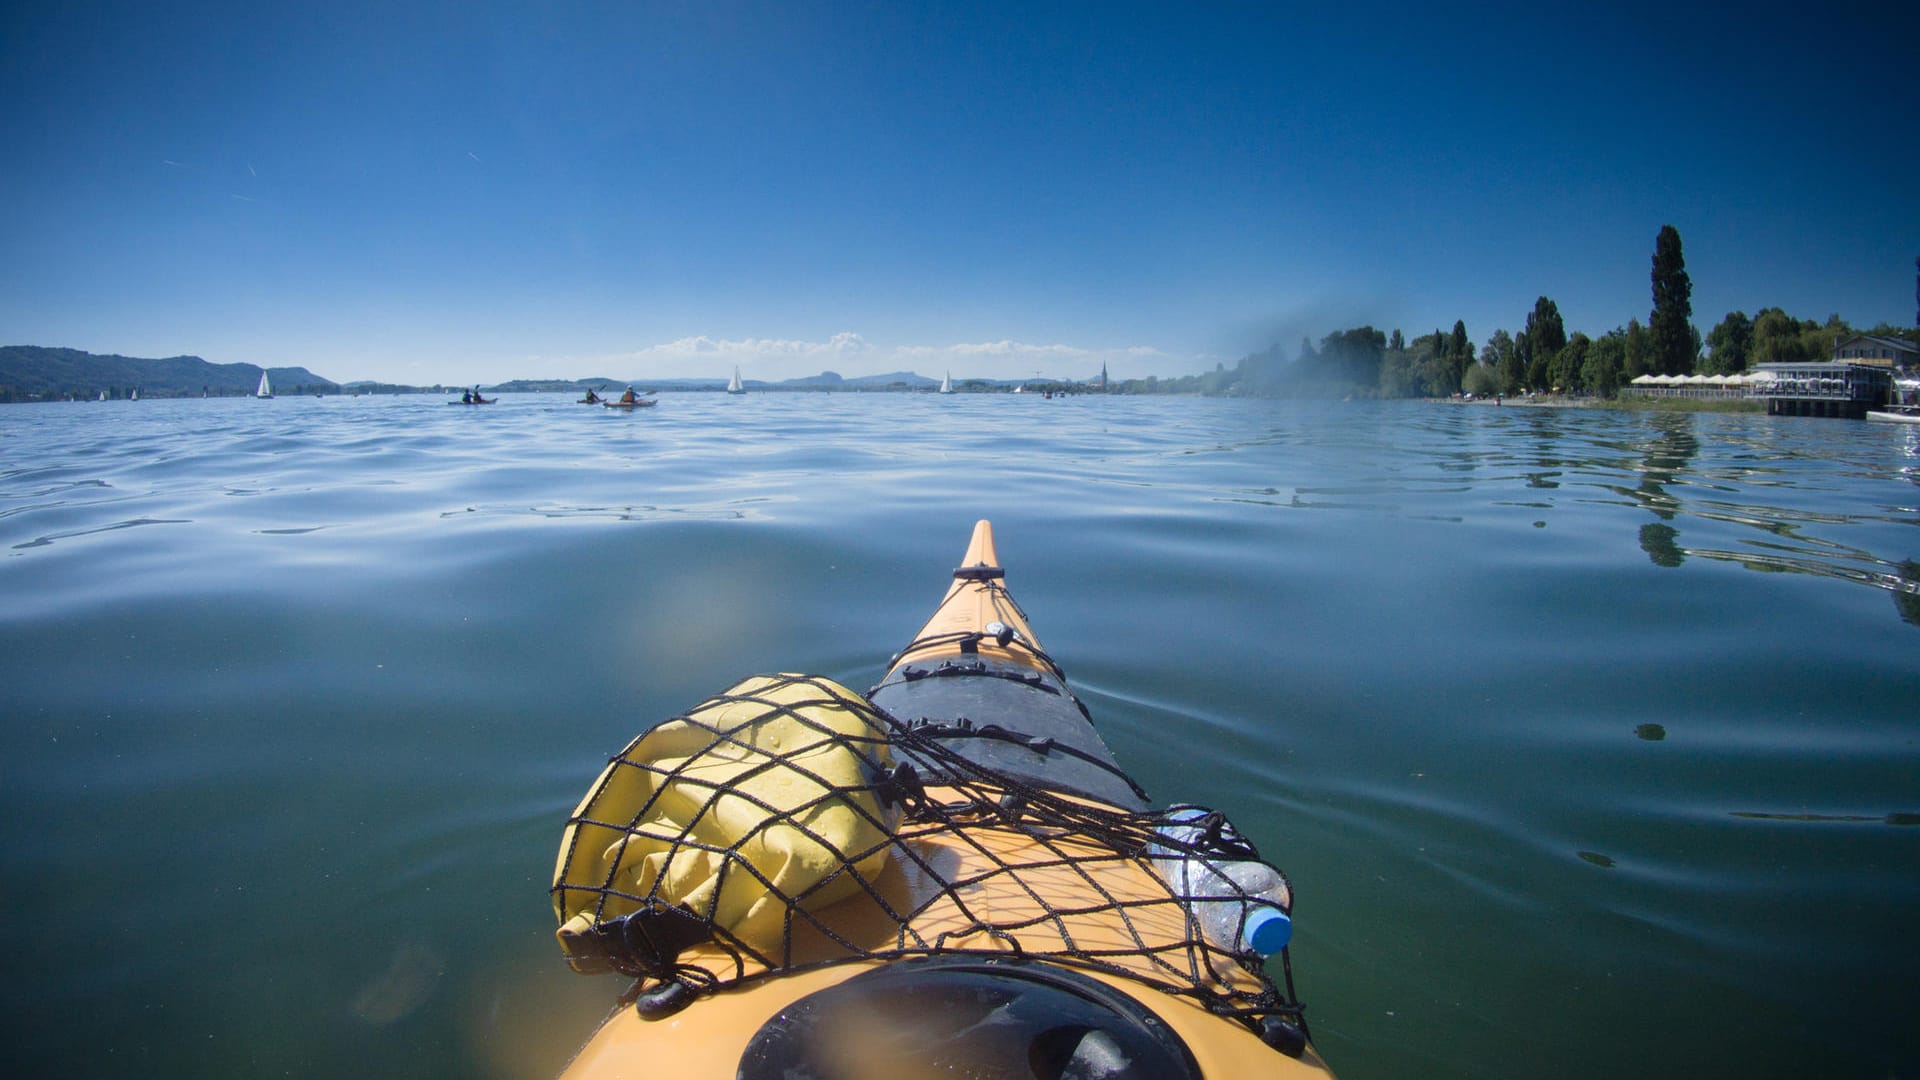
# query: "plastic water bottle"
1212,888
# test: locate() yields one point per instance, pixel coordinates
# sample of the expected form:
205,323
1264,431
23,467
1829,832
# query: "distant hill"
828,380
35,372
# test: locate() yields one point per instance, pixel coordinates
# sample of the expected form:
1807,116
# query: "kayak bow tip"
980,551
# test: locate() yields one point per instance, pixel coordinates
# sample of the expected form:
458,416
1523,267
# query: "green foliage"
1459,351
1898,333
1639,359
1602,371
1732,343
1546,336
1780,338
1675,347
1354,355
1498,355
1480,380
1513,369
1262,374
1566,373
1419,369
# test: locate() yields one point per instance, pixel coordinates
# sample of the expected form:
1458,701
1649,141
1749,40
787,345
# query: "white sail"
946,384
734,385
265,390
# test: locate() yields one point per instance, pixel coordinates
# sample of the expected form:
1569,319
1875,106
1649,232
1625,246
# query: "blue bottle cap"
1268,930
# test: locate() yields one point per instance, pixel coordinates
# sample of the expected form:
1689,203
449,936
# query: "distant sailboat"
946,384
265,391
734,385
135,396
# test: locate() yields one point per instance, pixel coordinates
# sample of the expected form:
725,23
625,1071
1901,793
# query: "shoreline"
1561,401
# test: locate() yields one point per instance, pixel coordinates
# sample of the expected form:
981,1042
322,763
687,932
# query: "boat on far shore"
1903,405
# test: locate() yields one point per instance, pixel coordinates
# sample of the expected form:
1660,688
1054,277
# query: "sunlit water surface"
1590,740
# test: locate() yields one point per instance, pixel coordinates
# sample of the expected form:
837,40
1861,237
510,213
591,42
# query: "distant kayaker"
592,398
628,398
466,397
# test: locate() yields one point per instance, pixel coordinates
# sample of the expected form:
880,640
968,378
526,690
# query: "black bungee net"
942,799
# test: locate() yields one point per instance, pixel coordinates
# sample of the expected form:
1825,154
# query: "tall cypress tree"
1671,324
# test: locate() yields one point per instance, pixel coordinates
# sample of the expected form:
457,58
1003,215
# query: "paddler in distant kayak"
628,398
591,398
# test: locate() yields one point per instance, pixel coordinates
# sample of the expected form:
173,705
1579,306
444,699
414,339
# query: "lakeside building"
1695,386
1878,351
1865,373
1842,388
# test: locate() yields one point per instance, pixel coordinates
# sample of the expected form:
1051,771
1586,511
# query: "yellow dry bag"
762,798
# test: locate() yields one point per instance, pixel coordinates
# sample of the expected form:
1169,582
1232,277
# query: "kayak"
476,401
948,875
627,404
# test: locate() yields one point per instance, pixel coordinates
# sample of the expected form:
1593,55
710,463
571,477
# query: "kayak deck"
975,680
1019,846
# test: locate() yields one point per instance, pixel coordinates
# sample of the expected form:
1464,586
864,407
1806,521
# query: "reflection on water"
1658,541
1906,594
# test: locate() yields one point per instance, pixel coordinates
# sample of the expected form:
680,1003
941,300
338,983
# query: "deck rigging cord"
926,853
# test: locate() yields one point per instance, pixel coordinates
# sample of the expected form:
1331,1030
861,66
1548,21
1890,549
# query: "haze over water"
1588,739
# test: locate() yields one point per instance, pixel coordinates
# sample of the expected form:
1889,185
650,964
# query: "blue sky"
469,192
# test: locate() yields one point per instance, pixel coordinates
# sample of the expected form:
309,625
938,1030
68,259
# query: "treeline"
1541,357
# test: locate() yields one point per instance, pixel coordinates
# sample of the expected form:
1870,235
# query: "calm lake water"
1589,739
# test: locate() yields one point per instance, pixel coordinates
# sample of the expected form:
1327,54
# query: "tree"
1480,380
1777,338
1546,335
1545,327
1498,357
1673,344
1459,350
1567,371
1397,377
1513,373
1354,355
1638,357
1433,369
1732,343
1261,373
1822,340
1606,359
